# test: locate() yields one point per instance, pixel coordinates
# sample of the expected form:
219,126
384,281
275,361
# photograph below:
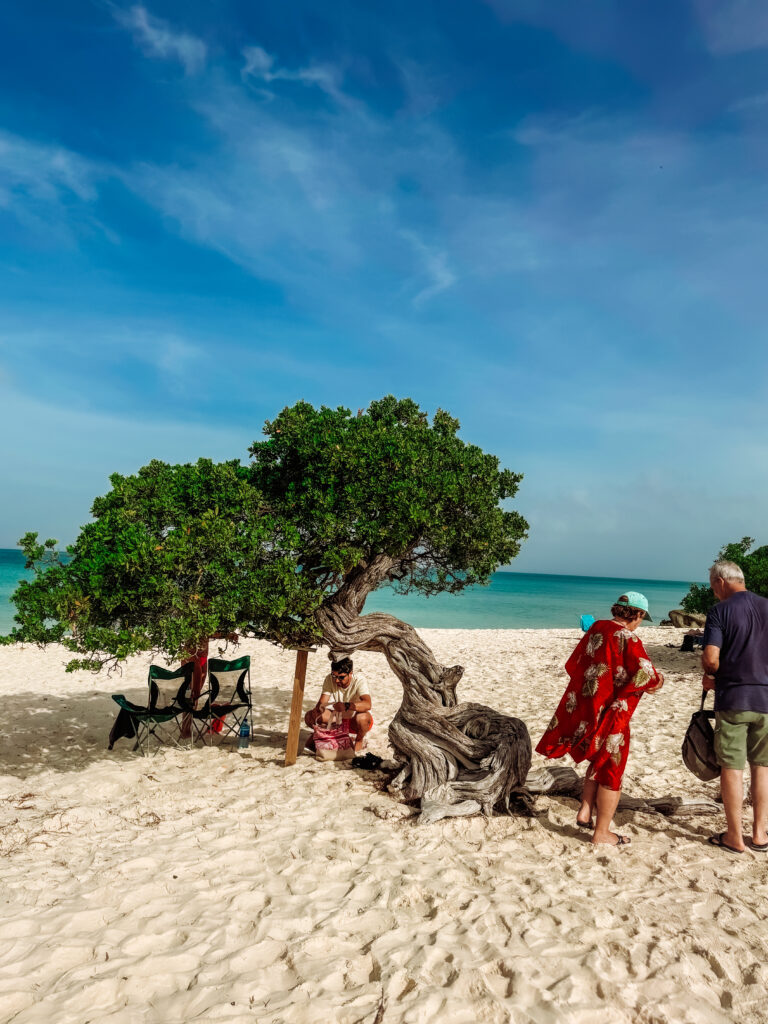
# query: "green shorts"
741,736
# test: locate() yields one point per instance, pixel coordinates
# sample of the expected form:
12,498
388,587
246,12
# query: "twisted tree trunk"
454,753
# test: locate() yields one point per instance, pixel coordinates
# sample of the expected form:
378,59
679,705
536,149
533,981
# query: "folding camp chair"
160,719
229,696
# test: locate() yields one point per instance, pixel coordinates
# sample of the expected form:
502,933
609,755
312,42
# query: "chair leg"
230,726
233,727
197,731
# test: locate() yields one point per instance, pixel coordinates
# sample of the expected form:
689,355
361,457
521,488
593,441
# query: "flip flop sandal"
758,847
718,841
584,824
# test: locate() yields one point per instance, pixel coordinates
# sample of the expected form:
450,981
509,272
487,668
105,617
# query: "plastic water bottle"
245,736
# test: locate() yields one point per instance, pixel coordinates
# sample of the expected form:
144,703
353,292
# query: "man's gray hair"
726,571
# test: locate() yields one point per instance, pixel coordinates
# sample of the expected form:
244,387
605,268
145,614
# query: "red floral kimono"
609,673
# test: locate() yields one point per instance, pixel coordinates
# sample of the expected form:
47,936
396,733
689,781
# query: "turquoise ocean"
512,600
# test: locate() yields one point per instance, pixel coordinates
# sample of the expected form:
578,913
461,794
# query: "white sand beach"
202,885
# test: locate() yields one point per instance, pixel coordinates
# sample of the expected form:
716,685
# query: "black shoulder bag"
699,744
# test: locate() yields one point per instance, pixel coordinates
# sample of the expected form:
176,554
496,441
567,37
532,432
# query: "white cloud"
733,26
435,266
305,200
157,39
45,173
750,104
611,214
261,66
179,362
257,63
49,190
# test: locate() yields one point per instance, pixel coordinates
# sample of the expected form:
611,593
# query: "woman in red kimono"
609,672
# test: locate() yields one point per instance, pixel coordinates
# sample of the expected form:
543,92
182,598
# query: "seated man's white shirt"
356,689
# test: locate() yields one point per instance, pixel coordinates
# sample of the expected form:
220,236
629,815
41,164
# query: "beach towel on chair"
122,728
333,742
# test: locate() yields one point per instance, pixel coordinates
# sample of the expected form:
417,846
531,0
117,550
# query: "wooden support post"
297,701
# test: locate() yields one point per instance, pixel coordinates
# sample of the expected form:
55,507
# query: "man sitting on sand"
344,691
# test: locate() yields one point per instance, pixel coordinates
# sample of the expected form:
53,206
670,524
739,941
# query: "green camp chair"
161,718
229,697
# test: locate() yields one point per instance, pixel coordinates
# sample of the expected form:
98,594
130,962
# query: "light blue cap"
634,599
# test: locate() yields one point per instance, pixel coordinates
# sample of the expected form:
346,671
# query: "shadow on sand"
41,732
669,658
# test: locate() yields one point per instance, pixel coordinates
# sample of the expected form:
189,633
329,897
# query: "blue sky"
547,218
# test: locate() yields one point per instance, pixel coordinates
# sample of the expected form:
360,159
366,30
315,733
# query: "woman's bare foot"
611,839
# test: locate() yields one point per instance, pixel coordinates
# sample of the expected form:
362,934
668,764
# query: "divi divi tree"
388,497
331,507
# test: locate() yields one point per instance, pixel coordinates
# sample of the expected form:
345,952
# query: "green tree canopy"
388,482
754,565
174,555
178,554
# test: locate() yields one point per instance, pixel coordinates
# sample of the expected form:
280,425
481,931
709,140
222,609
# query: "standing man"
735,663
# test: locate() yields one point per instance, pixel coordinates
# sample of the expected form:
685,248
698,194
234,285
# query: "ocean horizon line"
510,600
593,576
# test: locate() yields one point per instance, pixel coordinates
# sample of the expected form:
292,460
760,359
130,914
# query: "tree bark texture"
453,753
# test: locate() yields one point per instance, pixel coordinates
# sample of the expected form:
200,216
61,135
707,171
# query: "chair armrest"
122,702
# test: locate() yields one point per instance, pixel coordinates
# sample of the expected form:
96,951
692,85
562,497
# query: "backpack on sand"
699,745
334,742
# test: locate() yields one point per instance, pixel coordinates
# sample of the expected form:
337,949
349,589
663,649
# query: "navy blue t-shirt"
739,627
